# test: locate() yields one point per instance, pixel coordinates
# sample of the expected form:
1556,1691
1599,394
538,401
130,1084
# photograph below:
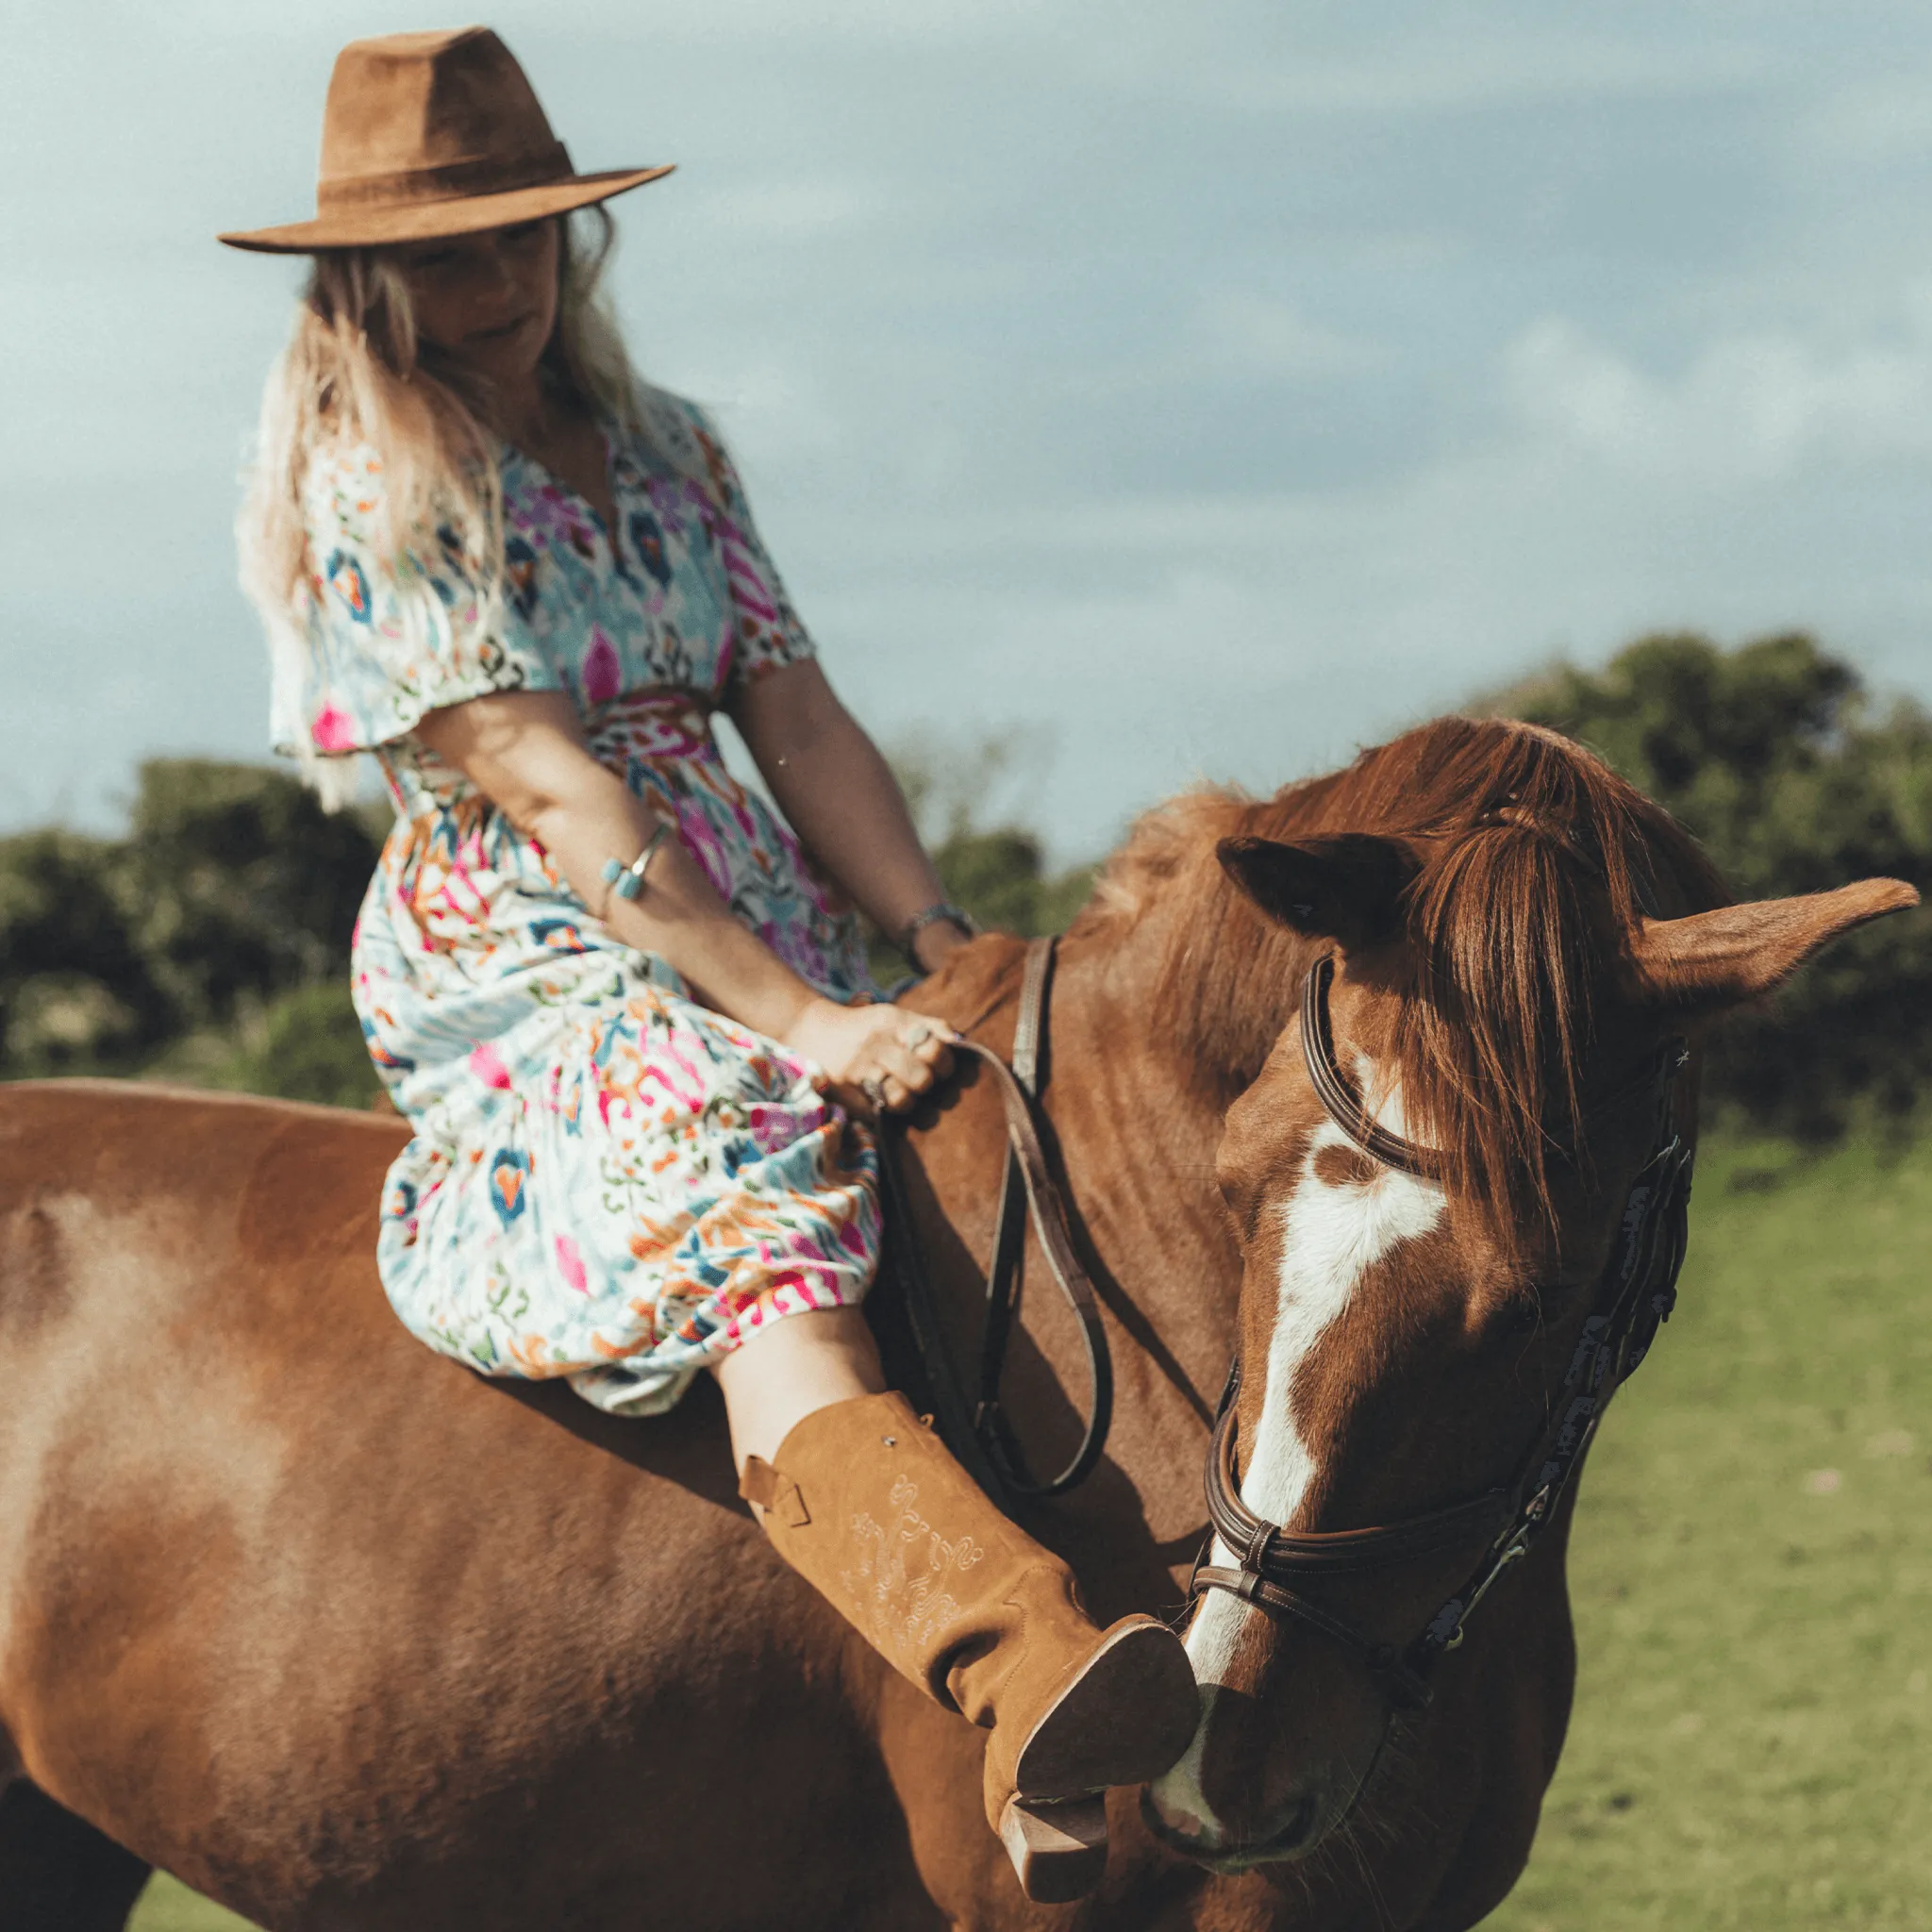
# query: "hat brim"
430,221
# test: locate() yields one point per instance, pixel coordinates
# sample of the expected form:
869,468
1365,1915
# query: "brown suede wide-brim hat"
434,134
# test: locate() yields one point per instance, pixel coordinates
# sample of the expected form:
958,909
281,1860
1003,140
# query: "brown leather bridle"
1273,1566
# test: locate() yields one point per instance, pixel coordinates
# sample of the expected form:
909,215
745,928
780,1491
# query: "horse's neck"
1134,1137
1134,1128
1138,1132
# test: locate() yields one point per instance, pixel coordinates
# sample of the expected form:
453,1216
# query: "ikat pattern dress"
607,1181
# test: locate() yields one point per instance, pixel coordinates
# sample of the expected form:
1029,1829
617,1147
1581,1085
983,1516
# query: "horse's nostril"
1295,1834
1178,1826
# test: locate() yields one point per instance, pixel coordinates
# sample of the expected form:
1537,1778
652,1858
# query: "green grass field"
1752,1572
1752,1749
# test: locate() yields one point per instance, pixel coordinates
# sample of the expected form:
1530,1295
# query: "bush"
309,1047
76,993
239,884
202,944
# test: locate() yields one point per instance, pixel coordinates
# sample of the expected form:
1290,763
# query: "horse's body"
349,1638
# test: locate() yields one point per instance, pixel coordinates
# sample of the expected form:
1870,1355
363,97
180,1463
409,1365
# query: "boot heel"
1058,1850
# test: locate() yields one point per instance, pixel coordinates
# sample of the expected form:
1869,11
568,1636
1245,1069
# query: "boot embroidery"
902,1576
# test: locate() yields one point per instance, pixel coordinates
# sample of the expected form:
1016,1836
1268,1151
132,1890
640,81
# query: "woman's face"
487,300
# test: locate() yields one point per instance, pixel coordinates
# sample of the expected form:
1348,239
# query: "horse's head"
1422,1250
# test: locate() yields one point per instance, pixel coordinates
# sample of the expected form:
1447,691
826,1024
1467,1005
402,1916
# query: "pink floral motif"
551,515
705,839
332,731
570,1264
602,673
489,1068
773,1127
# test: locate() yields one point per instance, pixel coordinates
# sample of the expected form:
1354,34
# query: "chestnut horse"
348,1637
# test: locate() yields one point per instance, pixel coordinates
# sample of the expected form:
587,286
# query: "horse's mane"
1522,837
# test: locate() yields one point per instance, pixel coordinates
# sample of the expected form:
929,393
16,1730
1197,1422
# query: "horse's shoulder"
287,1171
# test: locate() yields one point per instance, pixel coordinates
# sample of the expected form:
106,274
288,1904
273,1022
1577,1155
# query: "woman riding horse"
614,996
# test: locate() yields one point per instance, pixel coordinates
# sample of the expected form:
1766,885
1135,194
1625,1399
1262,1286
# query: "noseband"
1635,1294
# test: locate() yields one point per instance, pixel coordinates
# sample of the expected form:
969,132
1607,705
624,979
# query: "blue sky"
1205,386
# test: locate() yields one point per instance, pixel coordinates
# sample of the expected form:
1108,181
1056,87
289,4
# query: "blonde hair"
355,372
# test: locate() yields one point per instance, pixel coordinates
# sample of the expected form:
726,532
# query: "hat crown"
409,110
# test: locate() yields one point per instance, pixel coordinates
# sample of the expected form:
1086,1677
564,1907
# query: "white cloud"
1754,407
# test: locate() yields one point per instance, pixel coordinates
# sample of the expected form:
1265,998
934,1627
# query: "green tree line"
211,944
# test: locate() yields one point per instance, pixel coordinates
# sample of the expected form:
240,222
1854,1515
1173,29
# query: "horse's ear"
1347,889
1712,961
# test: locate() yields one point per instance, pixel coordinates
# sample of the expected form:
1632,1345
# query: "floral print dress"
607,1181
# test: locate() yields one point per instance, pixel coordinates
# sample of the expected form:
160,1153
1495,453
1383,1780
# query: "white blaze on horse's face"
1334,1233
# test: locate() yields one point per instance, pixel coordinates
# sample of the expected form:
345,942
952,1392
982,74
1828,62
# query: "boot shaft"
868,1506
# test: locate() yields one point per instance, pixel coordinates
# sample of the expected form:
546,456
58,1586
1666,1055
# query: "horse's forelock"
1540,859
1488,1045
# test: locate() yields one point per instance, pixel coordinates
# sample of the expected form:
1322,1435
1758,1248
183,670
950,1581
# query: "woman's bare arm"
524,750
843,800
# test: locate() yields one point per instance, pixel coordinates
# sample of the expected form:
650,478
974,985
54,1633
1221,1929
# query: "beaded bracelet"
941,912
627,881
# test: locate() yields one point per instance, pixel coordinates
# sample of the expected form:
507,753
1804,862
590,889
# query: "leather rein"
1273,1566
977,1430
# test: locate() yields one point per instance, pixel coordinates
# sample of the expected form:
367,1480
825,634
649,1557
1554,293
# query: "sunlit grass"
1752,1572
169,1906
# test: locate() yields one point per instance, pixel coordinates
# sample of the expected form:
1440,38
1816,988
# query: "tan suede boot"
867,1505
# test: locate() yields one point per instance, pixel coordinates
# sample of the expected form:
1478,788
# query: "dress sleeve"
391,638
769,633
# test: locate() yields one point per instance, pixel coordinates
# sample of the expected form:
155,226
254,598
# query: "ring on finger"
873,1088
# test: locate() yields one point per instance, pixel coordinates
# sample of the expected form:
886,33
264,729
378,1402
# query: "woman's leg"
865,1503
790,1368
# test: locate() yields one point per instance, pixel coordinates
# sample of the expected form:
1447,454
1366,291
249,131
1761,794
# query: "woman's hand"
890,1057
